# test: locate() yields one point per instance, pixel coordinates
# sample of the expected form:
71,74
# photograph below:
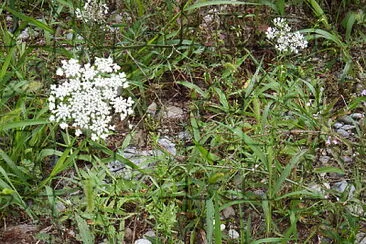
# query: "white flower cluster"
285,40
88,96
93,10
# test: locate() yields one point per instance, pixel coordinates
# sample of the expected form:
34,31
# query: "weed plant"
258,123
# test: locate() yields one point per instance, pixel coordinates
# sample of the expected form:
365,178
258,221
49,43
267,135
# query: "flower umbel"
89,97
93,11
285,40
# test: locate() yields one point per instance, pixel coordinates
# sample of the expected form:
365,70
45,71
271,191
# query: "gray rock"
259,192
347,119
118,18
347,159
360,238
172,112
343,133
128,234
168,145
228,212
184,136
348,127
337,125
149,233
357,116
60,207
324,159
152,109
342,186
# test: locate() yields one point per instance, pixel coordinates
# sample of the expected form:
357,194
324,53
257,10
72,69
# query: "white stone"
150,233
143,241
233,234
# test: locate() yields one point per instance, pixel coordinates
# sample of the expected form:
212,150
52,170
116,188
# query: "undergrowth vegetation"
239,133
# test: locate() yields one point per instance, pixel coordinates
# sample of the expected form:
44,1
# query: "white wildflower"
93,11
363,93
284,39
89,97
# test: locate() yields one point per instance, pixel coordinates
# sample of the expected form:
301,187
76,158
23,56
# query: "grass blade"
22,124
212,3
286,172
210,210
35,22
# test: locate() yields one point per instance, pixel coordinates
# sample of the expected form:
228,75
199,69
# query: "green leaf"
193,87
11,164
210,211
325,34
269,240
6,63
37,23
286,172
216,177
22,124
348,23
328,170
86,235
222,99
318,11
201,4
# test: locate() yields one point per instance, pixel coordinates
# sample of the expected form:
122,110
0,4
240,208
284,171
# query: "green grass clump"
260,138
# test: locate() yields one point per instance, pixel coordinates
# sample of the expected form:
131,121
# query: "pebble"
152,108
361,238
150,233
347,159
173,112
342,186
347,119
348,127
143,241
168,145
60,207
222,227
184,136
228,212
357,116
343,133
233,234
324,159
337,125
128,233
118,18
